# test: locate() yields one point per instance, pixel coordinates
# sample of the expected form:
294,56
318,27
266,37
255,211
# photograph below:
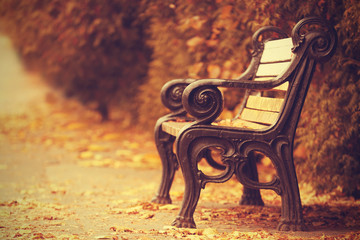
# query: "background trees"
91,50
100,53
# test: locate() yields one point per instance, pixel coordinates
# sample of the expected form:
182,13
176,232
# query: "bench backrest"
262,108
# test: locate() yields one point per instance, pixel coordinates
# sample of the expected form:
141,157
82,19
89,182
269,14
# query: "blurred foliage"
330,126
93,50
99,51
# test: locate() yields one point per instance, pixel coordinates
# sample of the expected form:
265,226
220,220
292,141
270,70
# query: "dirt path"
63,175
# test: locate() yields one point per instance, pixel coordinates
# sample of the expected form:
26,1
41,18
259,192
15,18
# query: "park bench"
275,85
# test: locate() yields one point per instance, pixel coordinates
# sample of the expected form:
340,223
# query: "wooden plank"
278,43
240,123
277,51
265,103
173,128
272,69
282,87
258,116
263,78
276,55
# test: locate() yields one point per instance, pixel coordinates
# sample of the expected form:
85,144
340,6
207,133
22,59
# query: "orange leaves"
76,125
112,136
226,12
195,41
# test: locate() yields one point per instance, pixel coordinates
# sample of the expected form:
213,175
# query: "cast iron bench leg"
291,209
188,163
164,144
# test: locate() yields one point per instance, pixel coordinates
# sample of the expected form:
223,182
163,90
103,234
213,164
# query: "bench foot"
296,225
182,222
161,200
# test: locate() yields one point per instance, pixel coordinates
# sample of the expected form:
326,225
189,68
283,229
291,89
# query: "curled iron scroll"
323,39
202,146
172,91
204,103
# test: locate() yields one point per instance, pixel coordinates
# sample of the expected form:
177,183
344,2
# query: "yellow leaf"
134,145
147,215
86,155
76,125
210,232
97,148
169,207
107,237
112,136
123,152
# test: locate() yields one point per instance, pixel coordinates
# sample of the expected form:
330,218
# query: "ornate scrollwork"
172,96
322,43
274,184
223,177
171,93
204,103
250,146
201,148
233,158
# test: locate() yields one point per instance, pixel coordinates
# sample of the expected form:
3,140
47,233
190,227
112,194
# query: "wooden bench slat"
258,116
240,123
271,69
277,51
282,87
278,43
276,55
265,103
173,128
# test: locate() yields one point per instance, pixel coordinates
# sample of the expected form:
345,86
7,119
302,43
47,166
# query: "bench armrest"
203,100
172,91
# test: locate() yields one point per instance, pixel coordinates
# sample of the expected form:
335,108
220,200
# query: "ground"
66,175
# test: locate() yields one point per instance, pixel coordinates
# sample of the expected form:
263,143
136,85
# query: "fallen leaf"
123,152
107,237
147,215
76,126
86,155
97,148
112,136
210,232
169,207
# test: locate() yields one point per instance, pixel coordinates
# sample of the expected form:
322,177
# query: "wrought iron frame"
204,102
